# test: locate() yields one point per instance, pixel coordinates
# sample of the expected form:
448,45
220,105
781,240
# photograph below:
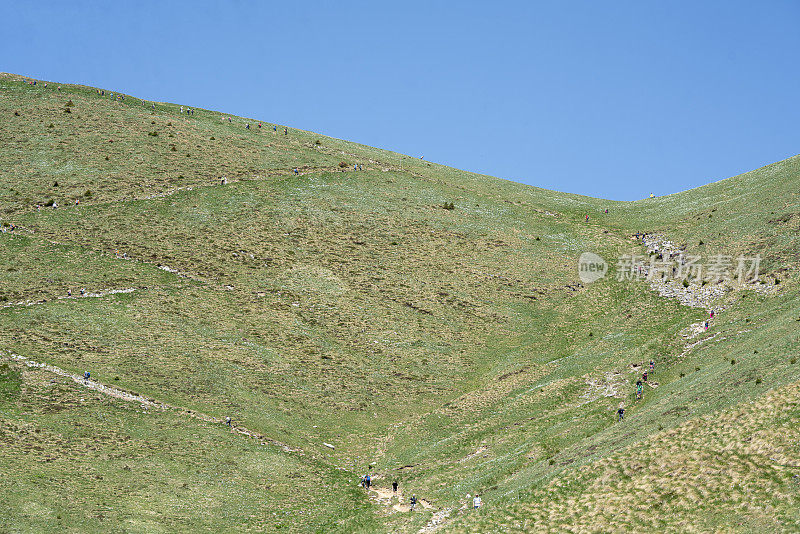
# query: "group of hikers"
639,389
274,127
366,483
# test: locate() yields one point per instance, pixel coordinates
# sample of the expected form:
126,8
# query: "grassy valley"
419,322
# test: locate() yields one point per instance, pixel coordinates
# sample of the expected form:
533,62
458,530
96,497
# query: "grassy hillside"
421,320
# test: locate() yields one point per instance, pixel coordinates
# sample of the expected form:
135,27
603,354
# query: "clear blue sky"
609,99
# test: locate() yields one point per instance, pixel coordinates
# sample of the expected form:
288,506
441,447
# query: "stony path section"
437,521
94,294
146,403
694,295
91,384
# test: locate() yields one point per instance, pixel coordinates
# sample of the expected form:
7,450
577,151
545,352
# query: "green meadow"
414,321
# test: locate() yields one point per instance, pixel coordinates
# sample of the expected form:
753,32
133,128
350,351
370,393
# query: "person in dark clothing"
620,413
394,487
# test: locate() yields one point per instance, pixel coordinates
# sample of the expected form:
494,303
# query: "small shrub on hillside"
69,104
701,242
696,368
758,380
169,124
733,362
88,193
106,158
683,374
152,122
793,361
55,184
211,138
67,110
318,142
449,206
173,148
685,282
153,134
342,164
16,113
52,125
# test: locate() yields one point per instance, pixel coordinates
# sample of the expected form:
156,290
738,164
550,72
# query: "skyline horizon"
711,181
613,102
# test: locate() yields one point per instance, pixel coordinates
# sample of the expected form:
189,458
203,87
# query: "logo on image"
591,267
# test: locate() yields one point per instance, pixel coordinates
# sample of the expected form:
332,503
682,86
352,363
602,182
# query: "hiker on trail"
259,125
394,487
154,105
248,126
644,376
69,292
413,502
181,110
620,413
652,366
86,375
476,502
229,119
192,112
366,481
285,131
83,291
228,421
606,211
638,389
587,218
355,167
711,314
705,325
224,180
295,171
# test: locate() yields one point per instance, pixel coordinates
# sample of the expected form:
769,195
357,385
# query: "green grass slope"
451,346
